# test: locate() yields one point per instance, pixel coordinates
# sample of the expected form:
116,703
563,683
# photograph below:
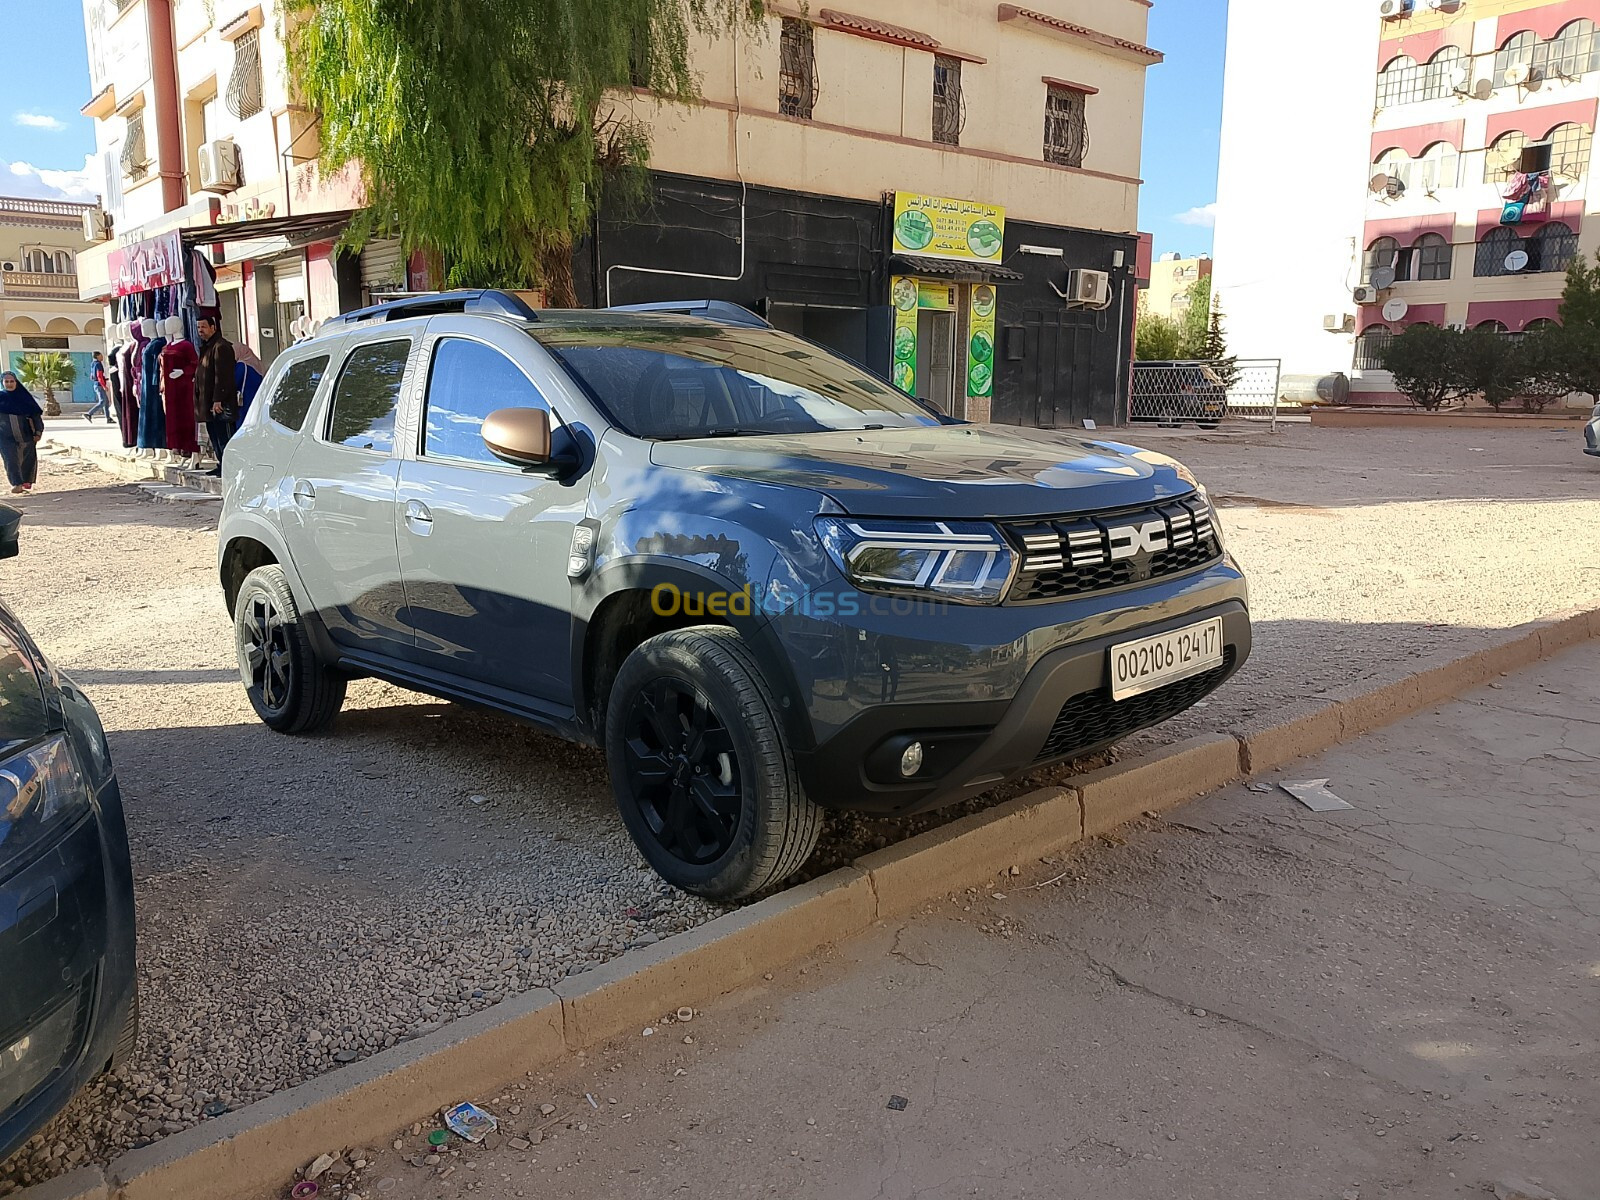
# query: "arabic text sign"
144,266
937,227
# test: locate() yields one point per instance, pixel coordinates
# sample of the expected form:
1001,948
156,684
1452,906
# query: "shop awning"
303,228
956,271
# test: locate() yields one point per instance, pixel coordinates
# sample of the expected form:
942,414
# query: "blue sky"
1183,122
44,140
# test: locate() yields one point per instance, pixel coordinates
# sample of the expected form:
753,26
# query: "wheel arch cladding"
243,554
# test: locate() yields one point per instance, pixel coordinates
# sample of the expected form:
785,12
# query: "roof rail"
723,311
490,301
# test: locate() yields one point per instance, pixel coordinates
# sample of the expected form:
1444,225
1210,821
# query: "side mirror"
10,525
519,436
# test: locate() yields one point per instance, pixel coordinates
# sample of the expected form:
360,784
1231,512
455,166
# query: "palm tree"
47,370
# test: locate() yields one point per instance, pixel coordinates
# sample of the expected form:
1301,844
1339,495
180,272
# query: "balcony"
44,208
39,285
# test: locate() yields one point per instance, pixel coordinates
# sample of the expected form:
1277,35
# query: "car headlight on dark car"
41,790
964,562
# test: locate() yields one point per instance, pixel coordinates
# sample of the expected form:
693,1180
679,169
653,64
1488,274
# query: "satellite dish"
1458,77
1483,89
1383,278
1395,310
1395,188
1378,184
1518,74
1516,261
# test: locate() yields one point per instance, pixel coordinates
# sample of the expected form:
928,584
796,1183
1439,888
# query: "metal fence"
1205,393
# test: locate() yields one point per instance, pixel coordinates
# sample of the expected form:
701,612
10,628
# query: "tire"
1209,424
290,687
122,1054
700,767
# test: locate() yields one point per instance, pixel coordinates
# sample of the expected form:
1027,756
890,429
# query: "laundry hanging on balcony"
1526,197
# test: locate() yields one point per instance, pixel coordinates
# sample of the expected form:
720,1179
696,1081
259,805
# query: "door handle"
304,494
418,518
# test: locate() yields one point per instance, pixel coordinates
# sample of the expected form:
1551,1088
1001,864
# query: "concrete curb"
132,470
246,1153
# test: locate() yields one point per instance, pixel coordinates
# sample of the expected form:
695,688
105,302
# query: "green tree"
1542,375
1158,339
483,129
46,371
1567,357
1214,348
1196,318
1425,362
1490,365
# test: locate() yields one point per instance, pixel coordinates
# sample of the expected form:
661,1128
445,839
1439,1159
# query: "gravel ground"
303,903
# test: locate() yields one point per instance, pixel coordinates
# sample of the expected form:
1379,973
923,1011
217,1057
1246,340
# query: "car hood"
946,472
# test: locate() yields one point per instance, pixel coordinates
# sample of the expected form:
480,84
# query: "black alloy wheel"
683,771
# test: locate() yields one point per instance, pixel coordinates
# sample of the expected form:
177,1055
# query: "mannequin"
152,418
132,377
178,363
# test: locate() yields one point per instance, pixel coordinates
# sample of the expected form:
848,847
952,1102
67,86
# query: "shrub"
1425,361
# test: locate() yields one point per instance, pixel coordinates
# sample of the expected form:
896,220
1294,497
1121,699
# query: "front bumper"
1062,709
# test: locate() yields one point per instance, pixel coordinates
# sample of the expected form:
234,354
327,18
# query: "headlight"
966,562
41,789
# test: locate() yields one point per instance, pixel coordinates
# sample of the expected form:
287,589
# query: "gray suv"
765,581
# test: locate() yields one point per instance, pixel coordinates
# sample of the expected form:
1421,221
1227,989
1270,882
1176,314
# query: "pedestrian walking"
102,389
216,397
21,427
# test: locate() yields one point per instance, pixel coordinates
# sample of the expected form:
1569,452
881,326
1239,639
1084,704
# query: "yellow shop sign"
938,227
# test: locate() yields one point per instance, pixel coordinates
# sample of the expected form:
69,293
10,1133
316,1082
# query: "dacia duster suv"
765,581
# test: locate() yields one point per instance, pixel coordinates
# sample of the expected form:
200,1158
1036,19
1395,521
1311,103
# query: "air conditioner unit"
8,265
1457,327
96,225
1089,287
1365,295
1393,10
219,166
1335,323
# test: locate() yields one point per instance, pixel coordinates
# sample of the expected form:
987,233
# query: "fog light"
911,760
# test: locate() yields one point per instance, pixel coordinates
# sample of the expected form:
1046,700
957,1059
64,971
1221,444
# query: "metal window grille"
1432,255
1573,51
1066,126
1437,76
244,84
44,343
135,162
1371,346
949,106
1569,150
1552,248
1490,259
1399,83
1518,50
1504,157
797,72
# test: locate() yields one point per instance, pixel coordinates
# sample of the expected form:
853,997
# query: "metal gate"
1205,393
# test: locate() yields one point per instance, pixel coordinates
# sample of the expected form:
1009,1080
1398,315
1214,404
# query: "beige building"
40,241
975,162
1171,279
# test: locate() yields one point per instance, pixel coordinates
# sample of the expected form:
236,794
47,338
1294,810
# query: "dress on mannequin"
152,417
178,363
133,380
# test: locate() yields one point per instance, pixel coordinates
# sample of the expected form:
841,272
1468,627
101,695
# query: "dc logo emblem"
1130,541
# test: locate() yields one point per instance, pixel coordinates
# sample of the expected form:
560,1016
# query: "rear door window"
468,381
368,395
297,388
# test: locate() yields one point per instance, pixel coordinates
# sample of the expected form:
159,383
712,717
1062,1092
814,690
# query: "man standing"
216,398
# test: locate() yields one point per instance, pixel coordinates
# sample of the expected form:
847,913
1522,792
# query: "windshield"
686,381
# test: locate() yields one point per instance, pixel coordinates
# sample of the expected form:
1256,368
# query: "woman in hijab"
21,427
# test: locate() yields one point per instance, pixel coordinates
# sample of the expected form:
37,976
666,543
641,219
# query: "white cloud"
33,120
1205,216
42,183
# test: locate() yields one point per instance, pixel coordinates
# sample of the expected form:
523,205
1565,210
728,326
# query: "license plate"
1152,662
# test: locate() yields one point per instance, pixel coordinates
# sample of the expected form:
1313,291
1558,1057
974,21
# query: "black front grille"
1091,720
1075,556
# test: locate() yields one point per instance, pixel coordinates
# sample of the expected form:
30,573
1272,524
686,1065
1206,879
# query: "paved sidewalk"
1247,999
